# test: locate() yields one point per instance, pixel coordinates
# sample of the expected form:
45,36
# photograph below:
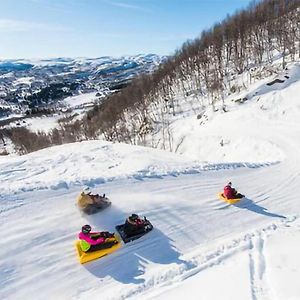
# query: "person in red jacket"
231,193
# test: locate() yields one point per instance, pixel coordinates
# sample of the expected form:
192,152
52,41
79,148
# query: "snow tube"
230,201
93,209
126,239
84,203
85,257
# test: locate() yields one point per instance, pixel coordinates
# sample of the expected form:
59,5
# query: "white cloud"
12,25
128,6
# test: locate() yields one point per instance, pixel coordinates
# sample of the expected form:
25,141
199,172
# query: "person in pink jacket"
93,241
231,193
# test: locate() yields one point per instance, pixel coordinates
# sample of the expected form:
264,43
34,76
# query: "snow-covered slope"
201,248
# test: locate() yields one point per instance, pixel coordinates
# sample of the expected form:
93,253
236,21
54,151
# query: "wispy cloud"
65,6
12,25
128,6
110,35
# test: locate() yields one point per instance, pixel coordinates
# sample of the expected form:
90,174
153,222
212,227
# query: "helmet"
86,229
134,217
86,190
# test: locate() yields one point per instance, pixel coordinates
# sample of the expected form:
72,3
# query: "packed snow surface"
200,248
80,100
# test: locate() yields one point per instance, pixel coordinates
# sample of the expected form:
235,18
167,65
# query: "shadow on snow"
250,205
128,264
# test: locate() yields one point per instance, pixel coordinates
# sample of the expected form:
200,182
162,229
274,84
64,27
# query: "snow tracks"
251,244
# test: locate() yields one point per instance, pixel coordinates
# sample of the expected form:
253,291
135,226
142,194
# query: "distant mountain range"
27,85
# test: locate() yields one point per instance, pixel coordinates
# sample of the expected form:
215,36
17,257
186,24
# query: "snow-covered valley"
201,247
60,84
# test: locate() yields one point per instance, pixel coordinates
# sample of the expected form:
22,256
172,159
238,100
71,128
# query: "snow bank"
90,163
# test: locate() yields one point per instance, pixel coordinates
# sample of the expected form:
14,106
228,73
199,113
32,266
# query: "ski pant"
101,246
133,230
238,195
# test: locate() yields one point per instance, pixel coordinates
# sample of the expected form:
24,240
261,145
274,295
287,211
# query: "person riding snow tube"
93,241
231,193
90,203
134,225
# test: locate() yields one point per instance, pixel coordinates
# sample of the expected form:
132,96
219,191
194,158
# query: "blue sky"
93,28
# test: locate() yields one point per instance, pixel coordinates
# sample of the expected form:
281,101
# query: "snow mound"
91,162
96,162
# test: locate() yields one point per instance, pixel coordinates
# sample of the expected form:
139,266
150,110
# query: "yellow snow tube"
85,257
230,201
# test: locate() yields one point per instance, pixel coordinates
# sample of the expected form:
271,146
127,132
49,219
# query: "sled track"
196,261
257,268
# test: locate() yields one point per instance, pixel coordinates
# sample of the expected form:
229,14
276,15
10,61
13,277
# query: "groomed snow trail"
200,248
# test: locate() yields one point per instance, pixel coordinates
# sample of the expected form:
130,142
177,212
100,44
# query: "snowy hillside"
200,248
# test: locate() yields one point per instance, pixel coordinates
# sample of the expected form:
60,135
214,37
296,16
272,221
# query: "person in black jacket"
134,225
